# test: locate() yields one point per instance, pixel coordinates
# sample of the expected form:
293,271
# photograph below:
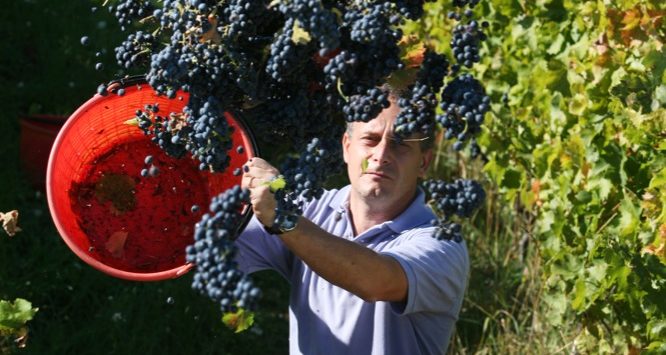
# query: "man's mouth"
377,173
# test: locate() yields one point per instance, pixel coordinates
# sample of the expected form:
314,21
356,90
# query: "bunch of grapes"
461,198
296,71
464,103
216,274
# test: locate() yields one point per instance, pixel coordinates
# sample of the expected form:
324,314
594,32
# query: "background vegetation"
568,253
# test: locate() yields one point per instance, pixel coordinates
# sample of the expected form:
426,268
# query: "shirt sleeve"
437,273
259,250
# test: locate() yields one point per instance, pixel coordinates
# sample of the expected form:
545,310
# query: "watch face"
289,223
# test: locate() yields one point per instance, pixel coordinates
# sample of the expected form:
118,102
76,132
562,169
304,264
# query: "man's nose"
382,152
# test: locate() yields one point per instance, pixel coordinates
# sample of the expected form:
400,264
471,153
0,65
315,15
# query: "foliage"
13,318
577,140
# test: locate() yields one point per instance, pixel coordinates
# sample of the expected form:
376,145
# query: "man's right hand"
257,174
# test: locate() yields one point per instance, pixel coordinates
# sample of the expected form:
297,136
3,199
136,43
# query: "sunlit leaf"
238,321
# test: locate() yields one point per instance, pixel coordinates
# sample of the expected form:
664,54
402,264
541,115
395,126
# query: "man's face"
380,167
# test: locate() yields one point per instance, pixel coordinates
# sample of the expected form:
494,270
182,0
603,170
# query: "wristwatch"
283,224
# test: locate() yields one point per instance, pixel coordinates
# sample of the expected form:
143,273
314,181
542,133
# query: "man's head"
382,167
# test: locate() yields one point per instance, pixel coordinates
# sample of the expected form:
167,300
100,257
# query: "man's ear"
345,146
426,159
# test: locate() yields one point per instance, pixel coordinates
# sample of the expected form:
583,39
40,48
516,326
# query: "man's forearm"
359,270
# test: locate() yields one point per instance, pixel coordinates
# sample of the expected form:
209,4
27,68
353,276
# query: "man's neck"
366,213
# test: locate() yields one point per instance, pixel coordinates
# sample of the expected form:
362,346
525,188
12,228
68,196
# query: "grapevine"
297,71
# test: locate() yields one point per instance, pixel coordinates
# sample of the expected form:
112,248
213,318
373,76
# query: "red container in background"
96,144
38,132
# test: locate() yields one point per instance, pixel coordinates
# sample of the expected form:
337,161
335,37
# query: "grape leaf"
364,165
14,315
238,321
276,183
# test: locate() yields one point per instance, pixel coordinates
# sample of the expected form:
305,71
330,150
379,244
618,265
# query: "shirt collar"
416,214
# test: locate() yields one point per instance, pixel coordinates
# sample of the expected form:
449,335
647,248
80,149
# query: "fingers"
257,172
256,175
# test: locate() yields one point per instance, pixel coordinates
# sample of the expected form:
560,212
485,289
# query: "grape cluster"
207,139
216,274
465,42
246,19
366,107
417,113
304,178
316,19
464,103
467,35
165,131
129,10
461,197
294,70
132,50
287,57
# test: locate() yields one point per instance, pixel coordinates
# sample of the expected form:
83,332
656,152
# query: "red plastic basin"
119,222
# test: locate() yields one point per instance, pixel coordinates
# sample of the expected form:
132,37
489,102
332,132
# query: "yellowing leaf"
238,321
300,36
364,165
631,20
132,122
276,183
414,56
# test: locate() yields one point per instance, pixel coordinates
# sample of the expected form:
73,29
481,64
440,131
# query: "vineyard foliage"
577,138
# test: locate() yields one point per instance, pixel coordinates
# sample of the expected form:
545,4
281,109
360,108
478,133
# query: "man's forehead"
375,125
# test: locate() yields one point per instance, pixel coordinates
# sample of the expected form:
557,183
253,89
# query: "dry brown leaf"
10,222
212,34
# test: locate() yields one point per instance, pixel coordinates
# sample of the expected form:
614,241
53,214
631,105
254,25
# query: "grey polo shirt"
326,319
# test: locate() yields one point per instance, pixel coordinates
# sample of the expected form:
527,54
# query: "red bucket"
113,218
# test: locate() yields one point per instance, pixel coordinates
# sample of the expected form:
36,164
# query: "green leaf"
15,315
629,215
556,46
579,295
578,104
299,36
238,321
364,165
512,179
602,186
660,94
657,328
583,197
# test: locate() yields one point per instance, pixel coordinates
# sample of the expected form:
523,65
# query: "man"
366,275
